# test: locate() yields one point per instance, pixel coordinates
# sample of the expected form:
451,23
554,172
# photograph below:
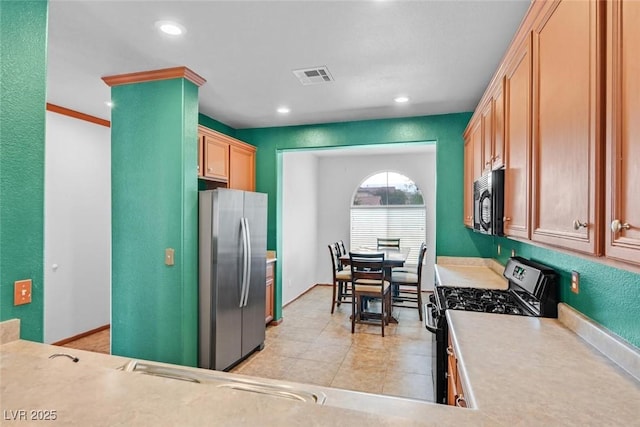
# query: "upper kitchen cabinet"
242,170
468,181
477,144
517,116
200,154
622,235
566,150
472,166
226,160
216,156
492,118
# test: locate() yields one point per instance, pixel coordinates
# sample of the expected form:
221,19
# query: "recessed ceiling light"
171,28
401,99
283,110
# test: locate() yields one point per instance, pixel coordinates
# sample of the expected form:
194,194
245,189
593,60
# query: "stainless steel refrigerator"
232,270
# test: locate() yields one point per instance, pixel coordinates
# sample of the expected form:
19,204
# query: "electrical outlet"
22,292
499,249
169,256
575,282
513,252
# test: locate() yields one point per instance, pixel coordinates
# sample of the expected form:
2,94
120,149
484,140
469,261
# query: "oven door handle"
429,322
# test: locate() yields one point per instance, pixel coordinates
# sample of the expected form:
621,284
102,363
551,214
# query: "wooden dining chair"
408,285
388,243
368,281
342,251
341,279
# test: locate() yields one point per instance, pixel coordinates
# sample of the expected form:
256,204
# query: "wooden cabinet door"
200,150
468,182
476,139
452,377
517,111
497,157
269,295
486,118
623,130
566,142
242,168
216,158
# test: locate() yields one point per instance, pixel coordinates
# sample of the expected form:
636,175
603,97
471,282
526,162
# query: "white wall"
77,227
341,175
298,255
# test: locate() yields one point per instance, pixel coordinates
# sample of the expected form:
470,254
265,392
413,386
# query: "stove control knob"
617,226
577,224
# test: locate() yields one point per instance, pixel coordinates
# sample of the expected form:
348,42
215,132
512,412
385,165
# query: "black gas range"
532,291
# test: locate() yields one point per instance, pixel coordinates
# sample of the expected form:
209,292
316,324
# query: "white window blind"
404,222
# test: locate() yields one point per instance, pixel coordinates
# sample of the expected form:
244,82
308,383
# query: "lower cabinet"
269,294
455,393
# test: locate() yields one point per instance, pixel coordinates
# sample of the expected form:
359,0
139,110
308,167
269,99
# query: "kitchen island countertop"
94,392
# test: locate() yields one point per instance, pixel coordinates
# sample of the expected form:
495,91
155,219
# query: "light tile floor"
313,346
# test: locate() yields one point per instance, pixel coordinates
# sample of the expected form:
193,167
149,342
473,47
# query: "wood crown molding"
77,115
148,76
224,137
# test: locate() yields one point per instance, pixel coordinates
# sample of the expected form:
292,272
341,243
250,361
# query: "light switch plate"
22,292
169,255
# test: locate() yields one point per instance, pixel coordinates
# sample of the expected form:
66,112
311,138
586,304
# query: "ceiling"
441,54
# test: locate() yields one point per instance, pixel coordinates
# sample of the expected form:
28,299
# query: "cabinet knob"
450,351
577,224
506,218
617,226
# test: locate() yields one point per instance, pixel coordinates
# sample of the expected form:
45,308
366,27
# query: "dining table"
393,257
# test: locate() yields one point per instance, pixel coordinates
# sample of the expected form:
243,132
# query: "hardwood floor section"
314,346
100,342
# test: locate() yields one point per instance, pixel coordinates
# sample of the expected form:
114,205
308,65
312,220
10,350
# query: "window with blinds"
404,222
388,204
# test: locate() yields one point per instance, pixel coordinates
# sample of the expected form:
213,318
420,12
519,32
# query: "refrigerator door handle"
245,249
248,260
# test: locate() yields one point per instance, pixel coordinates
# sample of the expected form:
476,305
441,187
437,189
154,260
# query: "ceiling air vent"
313,76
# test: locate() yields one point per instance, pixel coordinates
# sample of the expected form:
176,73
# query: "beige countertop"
534,371
469,276
93,392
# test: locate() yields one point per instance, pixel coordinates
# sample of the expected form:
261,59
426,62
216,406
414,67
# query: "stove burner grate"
481,300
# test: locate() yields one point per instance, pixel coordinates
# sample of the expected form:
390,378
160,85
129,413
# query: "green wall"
207,121
452,239
608,295
23,55
154,206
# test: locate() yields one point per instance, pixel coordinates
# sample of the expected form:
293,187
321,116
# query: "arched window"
388,204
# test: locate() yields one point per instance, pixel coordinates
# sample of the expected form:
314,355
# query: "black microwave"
488,203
